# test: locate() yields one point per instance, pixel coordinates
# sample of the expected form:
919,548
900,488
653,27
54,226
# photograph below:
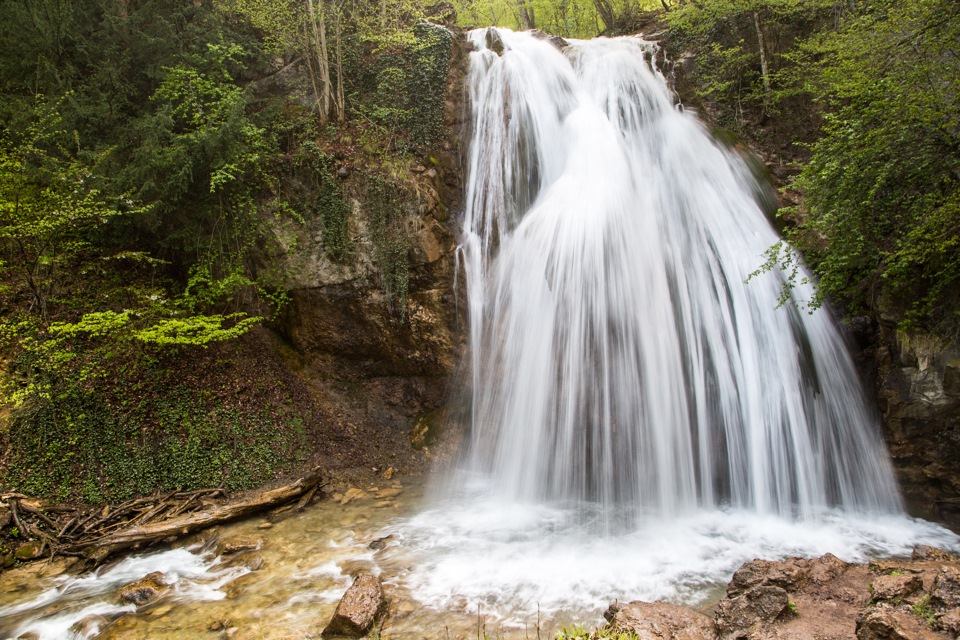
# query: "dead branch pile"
94,533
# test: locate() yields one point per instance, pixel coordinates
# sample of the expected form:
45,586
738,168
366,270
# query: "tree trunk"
527,21
764,69
319,31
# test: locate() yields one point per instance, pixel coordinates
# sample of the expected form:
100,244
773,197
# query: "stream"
450,568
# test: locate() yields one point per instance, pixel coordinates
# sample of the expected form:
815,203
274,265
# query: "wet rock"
741,616
252,562
29,550
381,543
352,494
29,635
388,473
923,552
236,544
946,587
89,627
494,42
894,586
5,515
882,623
265,525
660,621
359,608
146,589
7,561
388,493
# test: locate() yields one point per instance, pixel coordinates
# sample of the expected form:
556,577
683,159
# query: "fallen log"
99,548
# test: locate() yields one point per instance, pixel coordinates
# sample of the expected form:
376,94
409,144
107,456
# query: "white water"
618,355
643,421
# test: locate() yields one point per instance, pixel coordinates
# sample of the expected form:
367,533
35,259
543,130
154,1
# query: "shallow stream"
467,565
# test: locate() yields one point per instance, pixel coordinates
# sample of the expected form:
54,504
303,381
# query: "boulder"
359,608
946,587
660,621
894,586
923,552
883,623
29,550
739,616
787,575
146,589
5,515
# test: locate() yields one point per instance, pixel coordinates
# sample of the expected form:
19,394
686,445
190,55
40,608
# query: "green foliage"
75,444
922,609
389,235
428,82
602,633
566,18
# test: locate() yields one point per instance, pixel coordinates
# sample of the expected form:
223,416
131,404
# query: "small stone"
352,494
419,168
343,172
265,525
894,586
215,625
389,473
382,504
29,550
7,561
5,515
161,611
227,546
146,589
388,493
359,608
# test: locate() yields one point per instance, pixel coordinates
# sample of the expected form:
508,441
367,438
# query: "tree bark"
761,41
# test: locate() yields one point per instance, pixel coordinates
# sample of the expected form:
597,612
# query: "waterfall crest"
618,357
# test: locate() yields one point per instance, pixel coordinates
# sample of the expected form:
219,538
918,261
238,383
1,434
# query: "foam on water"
60,611
517,560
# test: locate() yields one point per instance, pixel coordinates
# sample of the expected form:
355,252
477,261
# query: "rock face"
660,621
361,606
374,360
918,386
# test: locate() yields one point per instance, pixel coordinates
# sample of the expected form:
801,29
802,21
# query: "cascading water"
619,356
643,420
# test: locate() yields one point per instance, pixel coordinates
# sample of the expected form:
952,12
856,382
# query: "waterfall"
618,355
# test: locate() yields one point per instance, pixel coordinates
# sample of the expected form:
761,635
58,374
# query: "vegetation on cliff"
149,151
870,93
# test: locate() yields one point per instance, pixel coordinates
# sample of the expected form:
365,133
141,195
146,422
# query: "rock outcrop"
918,385
823,598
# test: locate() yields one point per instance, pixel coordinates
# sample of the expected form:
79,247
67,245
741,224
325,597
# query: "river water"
644,420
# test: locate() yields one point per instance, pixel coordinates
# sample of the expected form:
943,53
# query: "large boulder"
660,621
359,609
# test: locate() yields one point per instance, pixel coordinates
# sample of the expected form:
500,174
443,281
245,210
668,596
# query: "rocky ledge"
823,599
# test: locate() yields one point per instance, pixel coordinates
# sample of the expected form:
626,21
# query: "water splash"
618,357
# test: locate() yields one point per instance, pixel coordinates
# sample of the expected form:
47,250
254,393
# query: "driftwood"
97,533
